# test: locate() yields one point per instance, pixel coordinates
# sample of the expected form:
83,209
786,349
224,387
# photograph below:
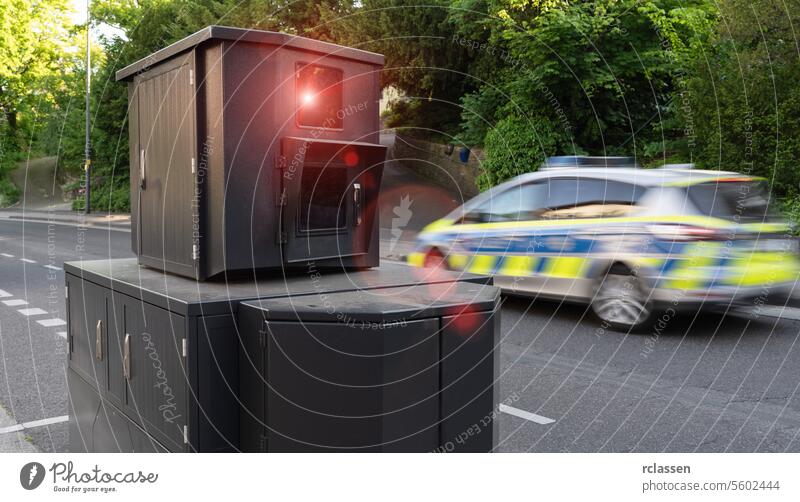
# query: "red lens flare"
351,158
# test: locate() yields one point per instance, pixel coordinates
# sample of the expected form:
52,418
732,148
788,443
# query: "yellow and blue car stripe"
555,248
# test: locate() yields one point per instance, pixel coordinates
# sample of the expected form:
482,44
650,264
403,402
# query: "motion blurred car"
631,242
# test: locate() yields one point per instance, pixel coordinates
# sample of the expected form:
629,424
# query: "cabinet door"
116,332
154,370
88,329
166,151
469,379
337,387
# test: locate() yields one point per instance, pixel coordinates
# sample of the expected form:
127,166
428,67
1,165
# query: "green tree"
33,38
149,25
423,59
592,77
743,98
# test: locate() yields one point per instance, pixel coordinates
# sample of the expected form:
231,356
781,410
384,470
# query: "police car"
629,241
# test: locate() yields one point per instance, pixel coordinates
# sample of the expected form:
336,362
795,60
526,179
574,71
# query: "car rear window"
732,200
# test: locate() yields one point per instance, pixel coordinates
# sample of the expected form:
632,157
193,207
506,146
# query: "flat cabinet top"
395,304
189,297
245,35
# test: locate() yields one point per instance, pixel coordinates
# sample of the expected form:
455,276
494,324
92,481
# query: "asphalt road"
706,383
33,356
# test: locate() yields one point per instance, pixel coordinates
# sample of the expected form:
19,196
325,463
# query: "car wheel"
622,301
435,259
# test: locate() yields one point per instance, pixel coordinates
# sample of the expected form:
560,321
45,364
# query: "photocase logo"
31,475
402,214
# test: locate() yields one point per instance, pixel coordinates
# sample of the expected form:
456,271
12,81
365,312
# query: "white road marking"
14,303
777,311
34,423
26,260
4,293
62,334
533,417
49,323
52,267
30,312
7,255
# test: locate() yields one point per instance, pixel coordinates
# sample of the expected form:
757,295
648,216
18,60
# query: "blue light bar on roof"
584,161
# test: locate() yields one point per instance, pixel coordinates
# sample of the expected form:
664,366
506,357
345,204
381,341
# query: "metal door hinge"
195,252
66,292
282,237
185,347
185,434
194,167
191,77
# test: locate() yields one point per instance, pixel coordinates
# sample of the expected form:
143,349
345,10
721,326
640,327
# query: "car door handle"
98,340
126,356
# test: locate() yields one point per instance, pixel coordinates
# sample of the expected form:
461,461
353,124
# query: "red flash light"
351,158
308,98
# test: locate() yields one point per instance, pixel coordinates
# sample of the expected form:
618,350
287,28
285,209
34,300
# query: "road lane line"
777,311
52,267
26,260
533,417
7,255
14,303
4,293
30,312
49,323
34,423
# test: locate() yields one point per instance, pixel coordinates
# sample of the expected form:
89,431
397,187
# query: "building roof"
244,35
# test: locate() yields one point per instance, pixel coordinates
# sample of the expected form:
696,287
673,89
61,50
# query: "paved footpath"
12,436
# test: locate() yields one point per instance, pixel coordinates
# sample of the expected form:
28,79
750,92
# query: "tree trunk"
11,118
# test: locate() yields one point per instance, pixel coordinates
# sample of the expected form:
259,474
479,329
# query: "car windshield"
746,201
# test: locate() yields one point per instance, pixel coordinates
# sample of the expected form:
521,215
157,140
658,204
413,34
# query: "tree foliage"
599,75
703,80
744,102
422,59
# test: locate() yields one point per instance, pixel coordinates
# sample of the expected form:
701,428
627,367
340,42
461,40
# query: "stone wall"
432,161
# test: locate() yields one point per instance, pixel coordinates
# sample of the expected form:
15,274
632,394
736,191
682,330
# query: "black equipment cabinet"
254,150
404,369
154,359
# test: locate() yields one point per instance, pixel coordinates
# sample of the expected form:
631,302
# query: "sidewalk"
66,217
11,439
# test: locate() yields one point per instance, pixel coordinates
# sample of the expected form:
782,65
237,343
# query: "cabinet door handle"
126,356
98,341
357,202
142,169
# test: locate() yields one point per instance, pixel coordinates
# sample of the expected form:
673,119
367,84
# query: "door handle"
98,341
357,202
142,168
126,356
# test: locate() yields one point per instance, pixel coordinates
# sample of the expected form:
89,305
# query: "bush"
519,145
107,196
9,193
790,207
